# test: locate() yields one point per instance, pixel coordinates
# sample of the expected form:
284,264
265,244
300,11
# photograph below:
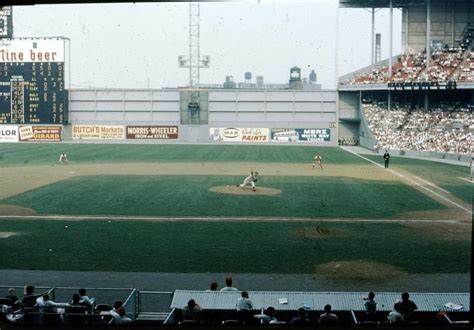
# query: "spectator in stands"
445,128
228,285
408,307
244,303
395,316
302,318
327,317
192,312
12,295
48,306
84,299
76,301
244,306
29,298
213,287
119,315
269,317
370,307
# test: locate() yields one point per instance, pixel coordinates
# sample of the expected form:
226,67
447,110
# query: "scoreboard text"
32,93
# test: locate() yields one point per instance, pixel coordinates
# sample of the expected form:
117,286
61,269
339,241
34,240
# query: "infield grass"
231,247
337,197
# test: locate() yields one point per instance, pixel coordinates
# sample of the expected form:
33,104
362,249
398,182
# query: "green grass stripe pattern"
231,247
44,154
338,197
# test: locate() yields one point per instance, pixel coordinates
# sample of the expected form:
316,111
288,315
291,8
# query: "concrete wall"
251,108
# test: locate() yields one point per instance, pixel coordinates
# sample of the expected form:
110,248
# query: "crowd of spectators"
404,311
40,309
447,64
466,70
445,128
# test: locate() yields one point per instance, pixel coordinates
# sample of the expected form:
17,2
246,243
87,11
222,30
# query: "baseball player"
63,158
472,168
317,160
250,181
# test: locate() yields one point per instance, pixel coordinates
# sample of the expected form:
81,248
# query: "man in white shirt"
395,316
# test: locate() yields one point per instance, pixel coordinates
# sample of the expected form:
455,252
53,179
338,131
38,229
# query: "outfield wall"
310,114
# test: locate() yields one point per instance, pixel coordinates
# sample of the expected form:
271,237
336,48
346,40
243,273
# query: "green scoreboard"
32,85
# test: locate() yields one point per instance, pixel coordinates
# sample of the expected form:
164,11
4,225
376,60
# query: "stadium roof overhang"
379,3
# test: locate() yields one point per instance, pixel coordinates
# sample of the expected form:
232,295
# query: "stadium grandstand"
395,103
419,102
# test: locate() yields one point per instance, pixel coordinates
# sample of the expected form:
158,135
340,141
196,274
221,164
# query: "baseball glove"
255,180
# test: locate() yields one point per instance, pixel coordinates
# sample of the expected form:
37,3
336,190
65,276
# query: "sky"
137,45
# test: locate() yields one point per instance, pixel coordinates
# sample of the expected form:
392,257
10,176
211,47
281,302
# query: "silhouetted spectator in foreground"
302,318
269,317
395,316
370,307
119,316
48,306
30,299
192,312
244,306
228,285
12,295
327,317
76,300
213,287
408,308
244,303
85,301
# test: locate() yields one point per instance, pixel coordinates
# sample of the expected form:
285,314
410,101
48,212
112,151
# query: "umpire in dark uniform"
386,158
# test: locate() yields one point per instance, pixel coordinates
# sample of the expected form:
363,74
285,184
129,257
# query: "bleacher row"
445,128
232,307
35,309
450,64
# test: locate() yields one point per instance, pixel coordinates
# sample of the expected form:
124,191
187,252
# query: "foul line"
467,180
209,219
414,182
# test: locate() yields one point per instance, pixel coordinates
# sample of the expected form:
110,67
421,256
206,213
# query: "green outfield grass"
338,197
443,175
41,154
231,247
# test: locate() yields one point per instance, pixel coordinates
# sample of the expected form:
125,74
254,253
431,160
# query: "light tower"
194,61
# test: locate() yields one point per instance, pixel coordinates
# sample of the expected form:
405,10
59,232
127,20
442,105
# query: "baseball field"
176,208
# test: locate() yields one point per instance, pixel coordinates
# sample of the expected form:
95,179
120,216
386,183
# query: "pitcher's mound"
234,190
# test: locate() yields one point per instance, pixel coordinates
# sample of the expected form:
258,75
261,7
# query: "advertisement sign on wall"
301,135
35,50
8,133
98,132
232,134
40,133
152,132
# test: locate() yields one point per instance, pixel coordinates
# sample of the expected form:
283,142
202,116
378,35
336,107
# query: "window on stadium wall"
318,146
